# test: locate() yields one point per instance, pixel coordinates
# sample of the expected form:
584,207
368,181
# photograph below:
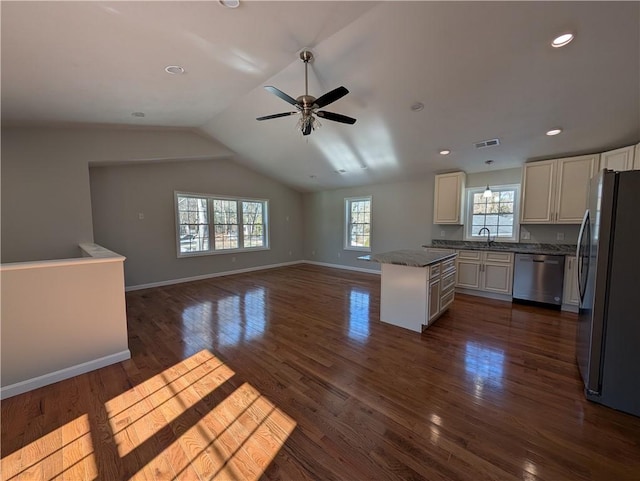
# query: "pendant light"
487,193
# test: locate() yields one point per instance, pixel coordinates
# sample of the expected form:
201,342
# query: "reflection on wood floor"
289,374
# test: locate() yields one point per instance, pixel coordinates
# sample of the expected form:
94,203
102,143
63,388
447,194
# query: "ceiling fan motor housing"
307,102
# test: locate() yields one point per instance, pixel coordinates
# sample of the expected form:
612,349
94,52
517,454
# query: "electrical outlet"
313,253
233,259
442,233
140,215
560,236
338,255
526,235
290,253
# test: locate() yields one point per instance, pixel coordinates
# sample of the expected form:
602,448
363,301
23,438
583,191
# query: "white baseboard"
340,266
242,271
208,276
62,374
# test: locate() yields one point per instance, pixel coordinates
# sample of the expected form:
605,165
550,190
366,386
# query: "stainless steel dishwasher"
538,278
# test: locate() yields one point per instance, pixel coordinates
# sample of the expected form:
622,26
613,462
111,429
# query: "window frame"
347,222
211,225
470,191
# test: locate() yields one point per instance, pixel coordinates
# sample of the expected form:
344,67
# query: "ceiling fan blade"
330,97
282,95
275,116
336,117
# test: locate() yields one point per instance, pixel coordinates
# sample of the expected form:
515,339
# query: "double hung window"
498,213
215,224
358,223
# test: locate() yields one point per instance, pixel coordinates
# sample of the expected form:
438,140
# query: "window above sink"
498,213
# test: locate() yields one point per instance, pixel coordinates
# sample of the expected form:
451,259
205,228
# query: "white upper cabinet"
619,159
448,198
555,191
538,192
574,174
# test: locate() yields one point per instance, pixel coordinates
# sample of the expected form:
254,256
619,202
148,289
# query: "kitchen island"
416,286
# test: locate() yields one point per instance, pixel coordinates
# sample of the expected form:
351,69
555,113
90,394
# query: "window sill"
358,249
182,255
484,241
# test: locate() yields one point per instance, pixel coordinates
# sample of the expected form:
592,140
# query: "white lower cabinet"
468,269
434,300
487,271
571,296
414,297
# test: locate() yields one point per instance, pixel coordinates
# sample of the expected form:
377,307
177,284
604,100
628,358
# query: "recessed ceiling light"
417,106
230,3
562,40
445,152
174,69
138,114
554,132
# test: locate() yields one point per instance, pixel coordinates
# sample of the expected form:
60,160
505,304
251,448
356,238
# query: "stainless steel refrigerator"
608,335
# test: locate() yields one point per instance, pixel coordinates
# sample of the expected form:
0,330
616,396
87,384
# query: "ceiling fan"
308,105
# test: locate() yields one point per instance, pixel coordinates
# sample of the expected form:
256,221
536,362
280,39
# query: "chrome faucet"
489,240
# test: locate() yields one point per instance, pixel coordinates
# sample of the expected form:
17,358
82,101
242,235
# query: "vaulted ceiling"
482,70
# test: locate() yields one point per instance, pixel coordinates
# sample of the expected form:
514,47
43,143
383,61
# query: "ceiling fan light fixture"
306,124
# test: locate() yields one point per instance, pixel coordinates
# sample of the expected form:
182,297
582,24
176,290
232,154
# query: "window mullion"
240,214
212,225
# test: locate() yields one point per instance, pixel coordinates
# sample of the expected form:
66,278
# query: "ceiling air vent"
487,143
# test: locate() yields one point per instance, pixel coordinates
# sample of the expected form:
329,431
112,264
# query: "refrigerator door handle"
585,222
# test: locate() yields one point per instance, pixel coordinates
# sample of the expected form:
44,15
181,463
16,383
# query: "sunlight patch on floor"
134,414
166,427
236,440
66,453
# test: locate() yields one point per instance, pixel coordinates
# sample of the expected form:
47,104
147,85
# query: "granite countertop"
408,257
519,248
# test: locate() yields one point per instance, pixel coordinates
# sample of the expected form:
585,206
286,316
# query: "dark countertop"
408,257
519,248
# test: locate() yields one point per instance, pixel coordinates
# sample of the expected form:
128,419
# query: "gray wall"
402,213
46,209
46,202
120,193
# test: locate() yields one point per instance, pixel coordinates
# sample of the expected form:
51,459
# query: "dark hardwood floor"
289,374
